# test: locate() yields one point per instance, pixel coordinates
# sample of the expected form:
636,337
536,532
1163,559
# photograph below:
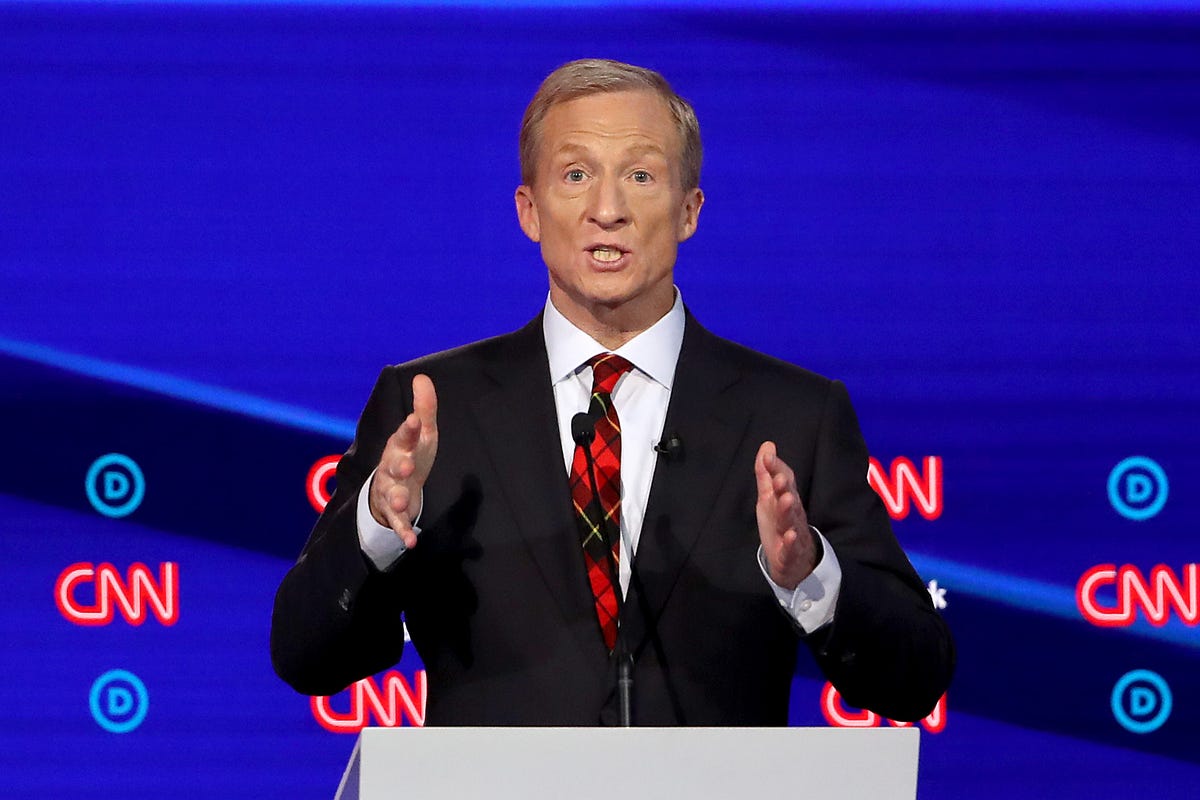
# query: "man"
474,502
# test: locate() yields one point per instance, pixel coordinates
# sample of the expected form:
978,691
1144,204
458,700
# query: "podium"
650,763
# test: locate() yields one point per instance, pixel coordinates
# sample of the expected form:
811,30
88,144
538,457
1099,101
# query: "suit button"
344,600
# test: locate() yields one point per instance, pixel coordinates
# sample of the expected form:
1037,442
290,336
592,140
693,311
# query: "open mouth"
606,254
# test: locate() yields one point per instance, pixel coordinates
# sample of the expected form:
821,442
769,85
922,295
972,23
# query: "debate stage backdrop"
219,221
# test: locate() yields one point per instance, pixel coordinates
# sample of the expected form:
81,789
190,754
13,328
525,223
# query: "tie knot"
607,369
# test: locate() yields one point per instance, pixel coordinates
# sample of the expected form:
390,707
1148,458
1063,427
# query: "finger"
784,505
395,467
425,402
762,472
396,498
394,503
765,511
381,496
789,549
406,435
402,527
780,467
401,466
409,537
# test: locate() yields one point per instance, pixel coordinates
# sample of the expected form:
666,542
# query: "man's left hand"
788,544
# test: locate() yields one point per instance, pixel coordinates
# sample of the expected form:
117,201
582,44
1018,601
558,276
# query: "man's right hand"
395,494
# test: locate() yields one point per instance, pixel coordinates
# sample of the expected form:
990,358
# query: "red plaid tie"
606,453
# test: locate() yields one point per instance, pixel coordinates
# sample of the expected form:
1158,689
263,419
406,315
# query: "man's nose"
607,207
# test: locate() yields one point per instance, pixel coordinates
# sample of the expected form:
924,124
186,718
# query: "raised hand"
787,542
395,494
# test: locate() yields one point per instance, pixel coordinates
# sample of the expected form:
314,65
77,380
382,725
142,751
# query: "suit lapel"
519,429
712,423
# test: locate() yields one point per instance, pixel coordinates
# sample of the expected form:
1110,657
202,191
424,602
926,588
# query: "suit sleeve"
336,617
887,648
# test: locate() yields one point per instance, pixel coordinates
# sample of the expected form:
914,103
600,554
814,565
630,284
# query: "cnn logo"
387,704
839,716
92,595
1157,596
903,487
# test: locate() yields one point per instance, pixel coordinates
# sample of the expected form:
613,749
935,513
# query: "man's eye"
575,175
641,176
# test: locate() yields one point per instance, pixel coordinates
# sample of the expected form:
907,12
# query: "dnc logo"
119,701
115,485
1141,701
1137,488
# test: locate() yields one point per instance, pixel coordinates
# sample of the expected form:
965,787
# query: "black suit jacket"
496,597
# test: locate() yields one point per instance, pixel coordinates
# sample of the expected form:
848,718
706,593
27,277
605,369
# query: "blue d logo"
1137,488
119,701
1141,701
115,485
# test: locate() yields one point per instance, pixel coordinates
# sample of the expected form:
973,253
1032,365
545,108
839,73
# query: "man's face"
608,208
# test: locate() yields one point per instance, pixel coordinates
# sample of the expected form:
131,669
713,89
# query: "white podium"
650,763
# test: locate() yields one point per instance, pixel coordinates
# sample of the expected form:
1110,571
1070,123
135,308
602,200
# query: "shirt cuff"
812,602
378,543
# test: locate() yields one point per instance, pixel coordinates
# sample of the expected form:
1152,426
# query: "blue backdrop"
217,222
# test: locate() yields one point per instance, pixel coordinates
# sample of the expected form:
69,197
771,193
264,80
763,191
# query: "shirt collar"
654,351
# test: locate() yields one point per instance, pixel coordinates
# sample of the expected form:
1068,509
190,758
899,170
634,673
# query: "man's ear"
689,214
527,214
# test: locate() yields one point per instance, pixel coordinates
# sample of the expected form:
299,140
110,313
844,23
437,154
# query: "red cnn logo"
839,716
385,704
317,483
904,481
1156,597
136,596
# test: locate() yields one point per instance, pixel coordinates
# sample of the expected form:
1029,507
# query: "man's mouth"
606,254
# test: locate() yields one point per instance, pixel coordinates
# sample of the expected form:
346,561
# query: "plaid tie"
606,454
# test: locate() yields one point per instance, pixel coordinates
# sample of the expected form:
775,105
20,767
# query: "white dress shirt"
640,397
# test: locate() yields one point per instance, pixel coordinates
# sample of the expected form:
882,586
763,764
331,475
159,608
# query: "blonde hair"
597,76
